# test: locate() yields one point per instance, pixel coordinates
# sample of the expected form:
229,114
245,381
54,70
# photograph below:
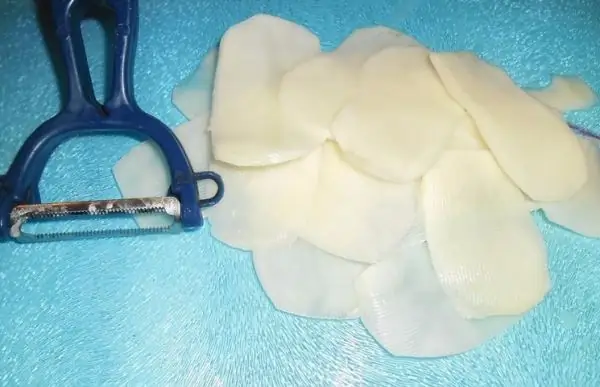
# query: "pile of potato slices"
382,180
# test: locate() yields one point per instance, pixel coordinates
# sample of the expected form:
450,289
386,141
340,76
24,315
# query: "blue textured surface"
186,310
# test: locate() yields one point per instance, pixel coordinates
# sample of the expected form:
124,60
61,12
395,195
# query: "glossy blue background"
186,310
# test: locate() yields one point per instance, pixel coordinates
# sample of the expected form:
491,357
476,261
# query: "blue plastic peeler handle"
84,115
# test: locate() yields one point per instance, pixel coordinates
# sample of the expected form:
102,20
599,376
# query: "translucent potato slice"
566,93
403,306
401,117
356,216
262,205
246,126
303,280
143,171
581,212
193,96
313,92
485,246
532,144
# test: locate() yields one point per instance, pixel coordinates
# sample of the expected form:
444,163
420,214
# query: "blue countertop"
187,310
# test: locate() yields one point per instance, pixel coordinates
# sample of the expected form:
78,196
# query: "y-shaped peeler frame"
84,115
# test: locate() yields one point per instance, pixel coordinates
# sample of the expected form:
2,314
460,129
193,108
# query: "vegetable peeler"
81,115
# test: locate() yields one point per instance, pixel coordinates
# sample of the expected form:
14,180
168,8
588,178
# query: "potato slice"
262,205
246,126
485,246
401,118
143,171
303,280
466,136
581,212
356,216
193,96
532,144
402,304
313,92
565,93
365,42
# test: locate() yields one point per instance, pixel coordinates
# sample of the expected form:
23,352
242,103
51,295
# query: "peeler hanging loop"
215,178
84,115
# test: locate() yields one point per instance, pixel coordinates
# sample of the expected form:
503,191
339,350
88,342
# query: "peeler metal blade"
23,214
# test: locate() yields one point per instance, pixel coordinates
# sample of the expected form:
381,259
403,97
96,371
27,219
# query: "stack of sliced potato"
383,180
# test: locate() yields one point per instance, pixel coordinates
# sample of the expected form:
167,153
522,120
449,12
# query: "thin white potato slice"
262,205
402,304
143,171
193,96
401,118
365,42
466,136
532,144
313,92
485,246
303,280
246,126
356,216
566,93
581,212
